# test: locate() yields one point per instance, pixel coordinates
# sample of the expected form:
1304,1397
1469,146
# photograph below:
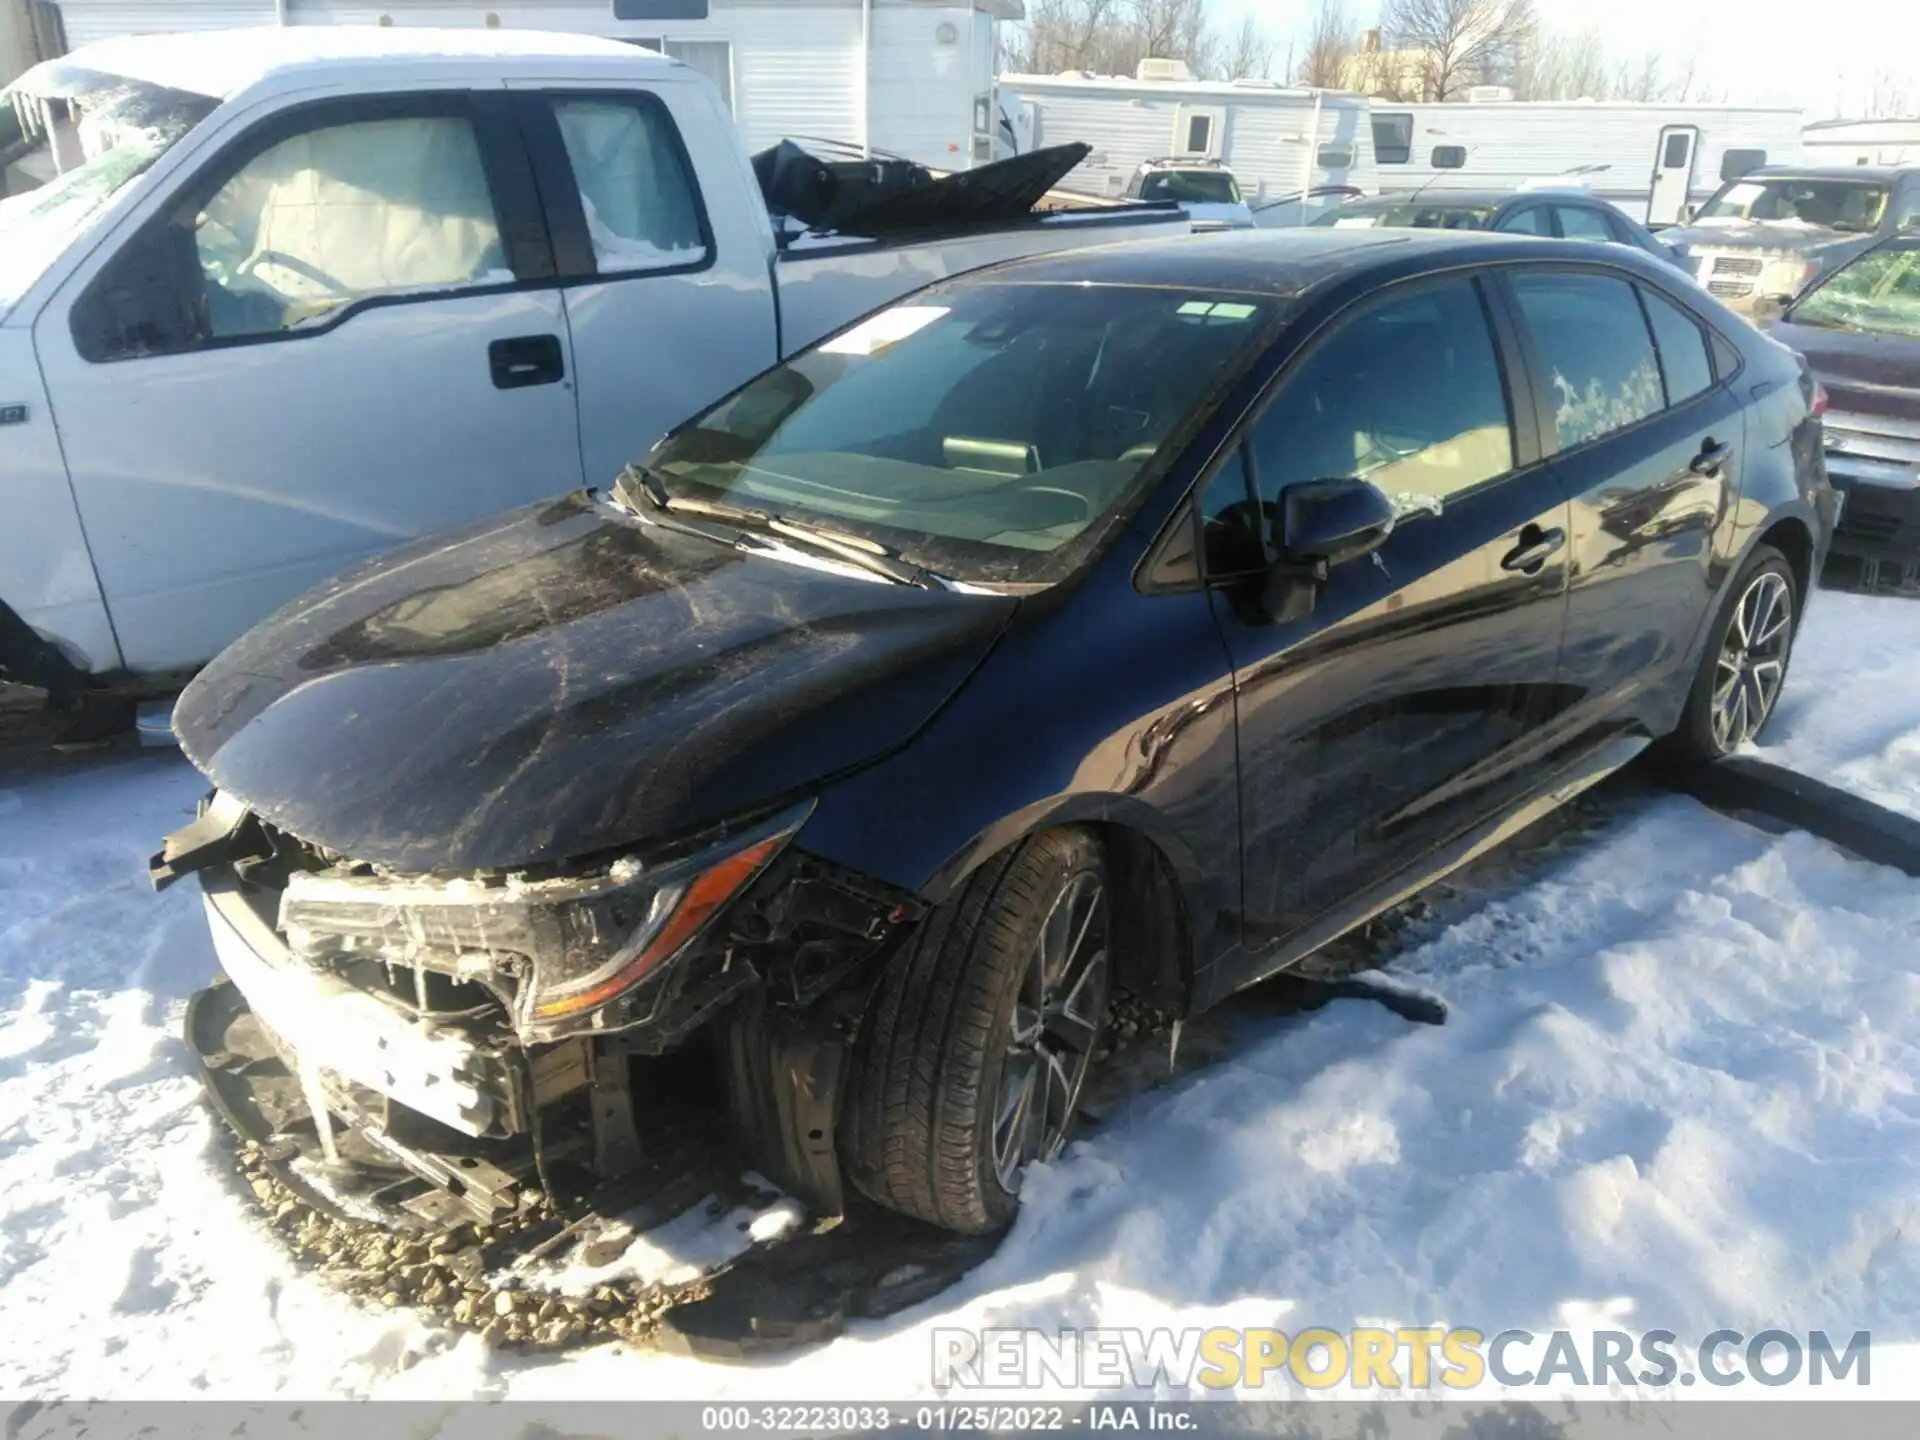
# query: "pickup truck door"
339,330
666,281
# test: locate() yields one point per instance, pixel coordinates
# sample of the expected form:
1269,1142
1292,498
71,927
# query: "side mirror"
1327,522
1769,308
1323,523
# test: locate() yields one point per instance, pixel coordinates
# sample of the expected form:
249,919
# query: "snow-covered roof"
222,63
1251,91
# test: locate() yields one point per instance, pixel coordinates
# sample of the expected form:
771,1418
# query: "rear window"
1191,187
1878,294
1409,215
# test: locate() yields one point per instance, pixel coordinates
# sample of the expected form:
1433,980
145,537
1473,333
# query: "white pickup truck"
295,295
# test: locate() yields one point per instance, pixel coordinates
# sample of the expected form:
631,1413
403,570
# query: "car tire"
979,1036
1744,667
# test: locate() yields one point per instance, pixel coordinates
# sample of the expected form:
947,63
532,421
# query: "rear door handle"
523,360
1536,547
1712,455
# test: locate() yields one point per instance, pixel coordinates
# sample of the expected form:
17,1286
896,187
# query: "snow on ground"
1679,1087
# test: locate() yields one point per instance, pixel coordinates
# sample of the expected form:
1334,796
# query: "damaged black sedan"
1137,620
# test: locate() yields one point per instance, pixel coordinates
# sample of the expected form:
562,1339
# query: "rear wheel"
979,1037
1745,665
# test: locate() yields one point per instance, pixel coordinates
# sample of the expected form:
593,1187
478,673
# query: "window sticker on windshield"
889,327
1217,309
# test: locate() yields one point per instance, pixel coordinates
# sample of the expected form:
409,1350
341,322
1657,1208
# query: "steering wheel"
302,268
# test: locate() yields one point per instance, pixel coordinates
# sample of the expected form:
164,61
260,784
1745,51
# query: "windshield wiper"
868,555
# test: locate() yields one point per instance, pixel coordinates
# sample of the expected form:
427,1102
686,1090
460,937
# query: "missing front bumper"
421,1124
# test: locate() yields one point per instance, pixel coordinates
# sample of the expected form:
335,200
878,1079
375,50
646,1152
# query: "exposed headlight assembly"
572,945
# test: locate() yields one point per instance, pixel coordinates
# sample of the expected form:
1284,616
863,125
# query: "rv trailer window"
1335,157
1679,151
1199,133
1736,163
1449,157
1392,139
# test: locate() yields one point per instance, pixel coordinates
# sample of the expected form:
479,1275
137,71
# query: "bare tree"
1112,37
1889,97
1248,54
1459,43
1332,43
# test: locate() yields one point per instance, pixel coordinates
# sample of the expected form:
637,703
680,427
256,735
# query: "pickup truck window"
980,428
638,197
345,212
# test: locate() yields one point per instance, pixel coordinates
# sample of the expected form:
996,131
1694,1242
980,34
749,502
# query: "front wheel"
979,1037
1745,665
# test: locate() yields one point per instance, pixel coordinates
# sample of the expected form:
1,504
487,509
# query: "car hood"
565,679
1772,236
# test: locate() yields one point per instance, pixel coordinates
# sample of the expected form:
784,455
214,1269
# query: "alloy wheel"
1057,1014
1753,661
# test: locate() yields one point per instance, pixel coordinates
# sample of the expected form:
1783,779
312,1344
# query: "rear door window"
1601,371
1577,222
1529,221
642,210
1685,361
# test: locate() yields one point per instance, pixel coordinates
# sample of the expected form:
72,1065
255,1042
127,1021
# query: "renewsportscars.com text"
1380,1359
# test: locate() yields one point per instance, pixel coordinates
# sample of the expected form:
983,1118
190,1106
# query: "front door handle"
523,360
1536,547
1713,454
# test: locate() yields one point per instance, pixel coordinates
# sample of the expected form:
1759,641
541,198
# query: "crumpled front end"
435,1048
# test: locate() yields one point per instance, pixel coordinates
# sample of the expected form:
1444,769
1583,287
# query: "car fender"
46,570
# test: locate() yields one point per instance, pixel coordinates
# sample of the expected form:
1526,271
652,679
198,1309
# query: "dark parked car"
1567,214
1143,617
1770,233
1860,330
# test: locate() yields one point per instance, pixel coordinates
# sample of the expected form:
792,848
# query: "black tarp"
886,194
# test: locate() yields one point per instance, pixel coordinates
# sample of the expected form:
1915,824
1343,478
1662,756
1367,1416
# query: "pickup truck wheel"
978,1037
1745,664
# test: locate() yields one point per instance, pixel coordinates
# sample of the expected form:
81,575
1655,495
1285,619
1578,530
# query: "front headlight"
570,944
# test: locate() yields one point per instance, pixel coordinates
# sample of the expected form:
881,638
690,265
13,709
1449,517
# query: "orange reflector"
709,891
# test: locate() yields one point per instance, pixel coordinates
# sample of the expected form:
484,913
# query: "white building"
1651,160
1275,140
1863,142
912,77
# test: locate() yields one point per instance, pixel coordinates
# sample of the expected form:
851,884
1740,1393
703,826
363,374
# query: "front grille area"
1865,525
1736,265
1730,289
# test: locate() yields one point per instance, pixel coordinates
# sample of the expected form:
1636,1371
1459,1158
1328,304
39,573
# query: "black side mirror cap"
1323,523
1328,522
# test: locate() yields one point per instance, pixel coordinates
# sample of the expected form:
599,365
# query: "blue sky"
1757,51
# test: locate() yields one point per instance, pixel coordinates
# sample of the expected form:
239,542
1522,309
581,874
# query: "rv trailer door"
1673,161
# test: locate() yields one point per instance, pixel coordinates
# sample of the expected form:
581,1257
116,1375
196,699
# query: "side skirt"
1586,772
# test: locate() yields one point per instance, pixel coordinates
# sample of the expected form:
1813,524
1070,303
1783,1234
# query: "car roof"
1279,262
1831,172
222,64
1478,197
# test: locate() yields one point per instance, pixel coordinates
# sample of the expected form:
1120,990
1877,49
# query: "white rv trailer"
1653,161
909,77
1276,141
1862,142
